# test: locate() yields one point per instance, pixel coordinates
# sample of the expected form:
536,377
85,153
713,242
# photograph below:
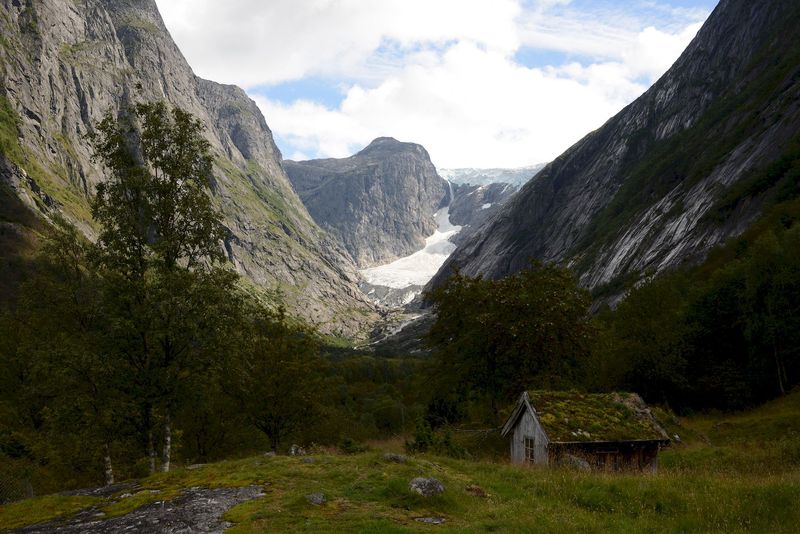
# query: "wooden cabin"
604,432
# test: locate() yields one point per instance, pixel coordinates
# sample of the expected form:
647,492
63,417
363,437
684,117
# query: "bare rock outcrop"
379,203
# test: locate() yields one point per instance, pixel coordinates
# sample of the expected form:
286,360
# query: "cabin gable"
529,441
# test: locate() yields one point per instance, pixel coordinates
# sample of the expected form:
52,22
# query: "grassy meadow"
729,473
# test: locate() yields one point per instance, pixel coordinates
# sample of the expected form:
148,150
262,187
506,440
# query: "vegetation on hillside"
737,473
725,334
495,339
120,357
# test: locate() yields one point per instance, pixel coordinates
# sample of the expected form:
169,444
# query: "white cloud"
473,107
438,72
251,42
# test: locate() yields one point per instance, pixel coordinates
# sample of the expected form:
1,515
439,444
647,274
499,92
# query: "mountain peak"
386,145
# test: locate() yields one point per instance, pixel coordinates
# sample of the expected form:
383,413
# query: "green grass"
41,509
731,473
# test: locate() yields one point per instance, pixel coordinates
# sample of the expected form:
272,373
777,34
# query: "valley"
248,308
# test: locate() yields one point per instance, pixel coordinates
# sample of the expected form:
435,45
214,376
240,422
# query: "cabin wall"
643,458
528,426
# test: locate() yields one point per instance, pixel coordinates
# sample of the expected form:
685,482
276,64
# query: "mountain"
380,203
473,205
470,176
686,166
64,64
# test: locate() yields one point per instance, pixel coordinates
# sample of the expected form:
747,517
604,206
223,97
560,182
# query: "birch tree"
160,247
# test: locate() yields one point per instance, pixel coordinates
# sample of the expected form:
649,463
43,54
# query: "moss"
28,18
574,416
141,23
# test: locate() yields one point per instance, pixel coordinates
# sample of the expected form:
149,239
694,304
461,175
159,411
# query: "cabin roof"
571,416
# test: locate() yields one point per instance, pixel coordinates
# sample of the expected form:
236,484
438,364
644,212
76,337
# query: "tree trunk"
779,367
109,469
151,451
165,457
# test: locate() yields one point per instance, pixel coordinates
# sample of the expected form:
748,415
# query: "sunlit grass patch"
41,509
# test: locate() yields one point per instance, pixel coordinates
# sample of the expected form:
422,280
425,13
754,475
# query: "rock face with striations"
473,205
689,164
64,64
379,203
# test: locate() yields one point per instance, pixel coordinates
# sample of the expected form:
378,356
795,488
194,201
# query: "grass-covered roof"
569,416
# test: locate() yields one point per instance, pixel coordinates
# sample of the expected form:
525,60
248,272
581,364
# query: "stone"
575,462
431,520
427,487
297,450
396,458
317,499
309,460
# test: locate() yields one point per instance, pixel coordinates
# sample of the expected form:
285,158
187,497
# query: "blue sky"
480,83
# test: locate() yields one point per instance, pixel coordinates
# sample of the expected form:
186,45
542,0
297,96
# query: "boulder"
317,499
575,462
427,487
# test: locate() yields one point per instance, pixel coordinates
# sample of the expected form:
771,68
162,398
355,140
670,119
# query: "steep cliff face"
380,203
686,166
66,63
473,205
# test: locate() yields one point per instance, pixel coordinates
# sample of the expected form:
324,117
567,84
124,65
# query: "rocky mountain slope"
473,205
689,164
379,203
63,64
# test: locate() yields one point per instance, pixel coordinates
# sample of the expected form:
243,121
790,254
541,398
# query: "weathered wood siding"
624,456
528,426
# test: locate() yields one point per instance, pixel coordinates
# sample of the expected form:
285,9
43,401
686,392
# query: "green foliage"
9,131
350,446
276,377
440,443
498,338
723,334
156,210
168,305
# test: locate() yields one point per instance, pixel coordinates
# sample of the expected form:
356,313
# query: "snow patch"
418,268
486,206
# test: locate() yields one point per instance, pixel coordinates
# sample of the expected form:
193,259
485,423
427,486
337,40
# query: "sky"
479,83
